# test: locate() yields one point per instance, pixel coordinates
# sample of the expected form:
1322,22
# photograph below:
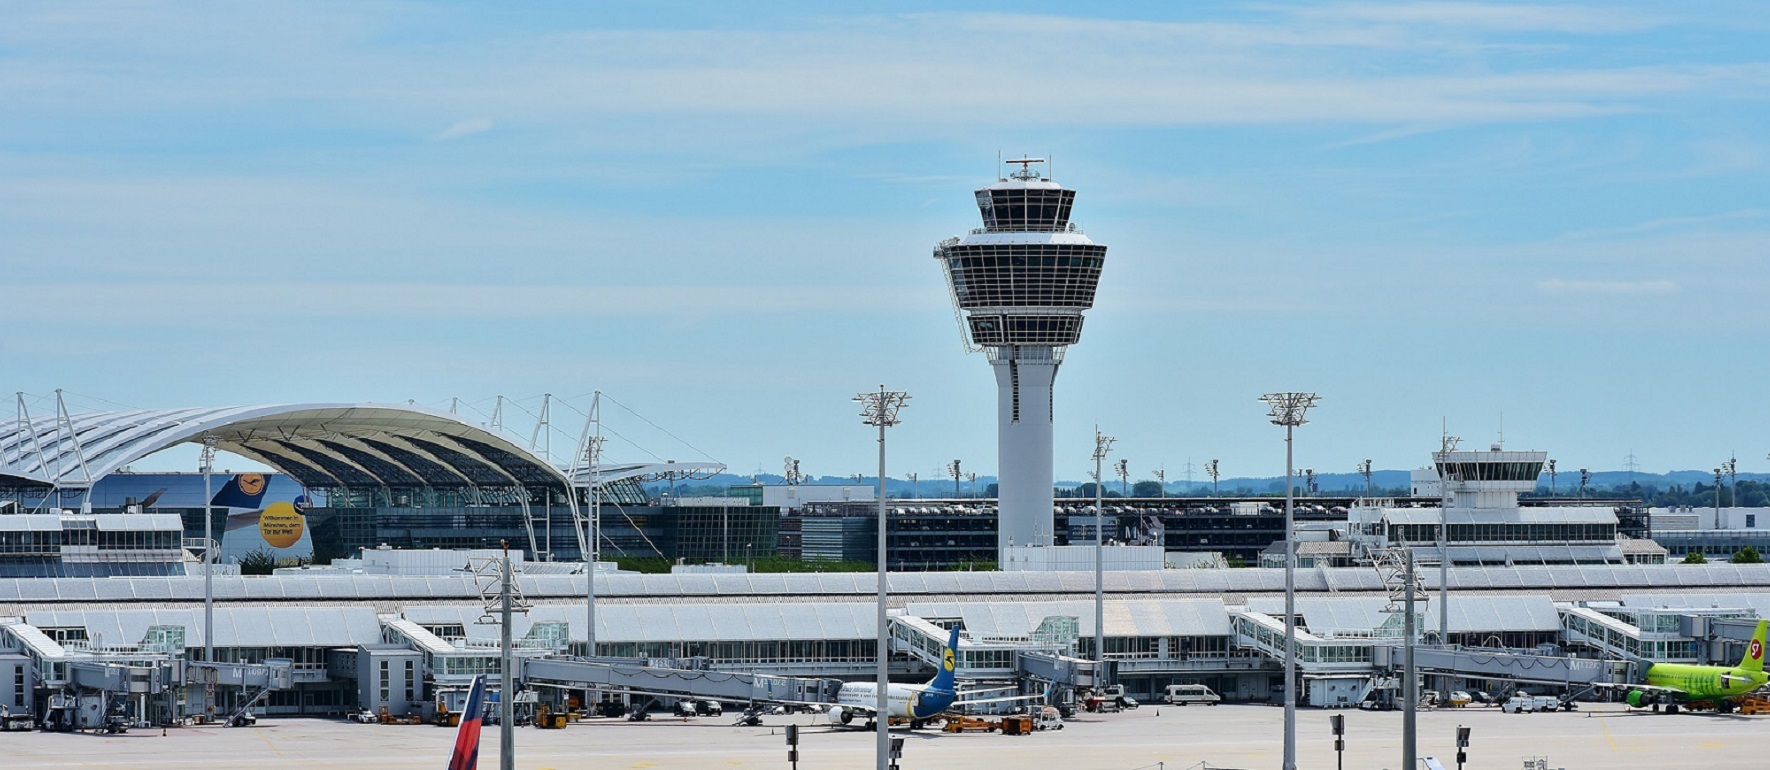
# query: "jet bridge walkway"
632,675
1513,666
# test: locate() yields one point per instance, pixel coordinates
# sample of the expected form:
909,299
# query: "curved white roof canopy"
320,445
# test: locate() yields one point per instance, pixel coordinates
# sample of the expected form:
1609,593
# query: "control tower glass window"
1025,210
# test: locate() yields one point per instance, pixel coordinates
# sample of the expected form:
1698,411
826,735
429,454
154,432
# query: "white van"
1182,694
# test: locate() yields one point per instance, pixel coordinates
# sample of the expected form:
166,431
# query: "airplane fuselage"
1705,682
905,701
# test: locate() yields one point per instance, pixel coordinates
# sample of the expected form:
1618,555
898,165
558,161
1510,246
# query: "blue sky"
722,214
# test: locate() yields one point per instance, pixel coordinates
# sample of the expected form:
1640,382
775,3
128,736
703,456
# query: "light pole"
1288,409
1212,469
1717,497
1102,445
1732,469
1365,468
913,490
1123,468
880,410
209,554
507,662
1551,478
1161,477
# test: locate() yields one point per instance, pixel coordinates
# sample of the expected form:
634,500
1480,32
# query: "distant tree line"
1750,494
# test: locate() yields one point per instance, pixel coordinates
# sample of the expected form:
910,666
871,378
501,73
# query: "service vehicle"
1183,694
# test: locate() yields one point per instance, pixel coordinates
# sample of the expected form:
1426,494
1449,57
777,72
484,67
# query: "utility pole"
880,409
1102,445
507,679
593,450
1410,692
1288,409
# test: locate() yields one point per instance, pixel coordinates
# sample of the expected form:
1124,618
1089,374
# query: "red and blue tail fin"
466,756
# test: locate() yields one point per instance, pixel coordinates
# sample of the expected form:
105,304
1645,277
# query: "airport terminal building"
101,593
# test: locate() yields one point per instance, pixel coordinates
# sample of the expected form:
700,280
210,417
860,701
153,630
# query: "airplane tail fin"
949,661
1754,652
466,754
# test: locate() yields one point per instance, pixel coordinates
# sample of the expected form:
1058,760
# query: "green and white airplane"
1672,684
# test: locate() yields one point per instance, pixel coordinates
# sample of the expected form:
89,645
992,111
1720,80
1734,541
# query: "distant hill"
1394,481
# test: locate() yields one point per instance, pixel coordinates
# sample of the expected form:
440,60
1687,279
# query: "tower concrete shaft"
1020,284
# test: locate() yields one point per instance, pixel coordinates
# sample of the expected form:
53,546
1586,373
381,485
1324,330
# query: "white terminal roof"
1138,617
234,626
1757,602
676,622
934,585
1468,614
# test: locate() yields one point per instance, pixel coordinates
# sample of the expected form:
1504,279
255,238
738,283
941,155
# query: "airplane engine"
1638,699
838,715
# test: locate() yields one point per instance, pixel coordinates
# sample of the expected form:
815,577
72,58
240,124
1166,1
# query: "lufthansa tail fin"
1754,652
949,660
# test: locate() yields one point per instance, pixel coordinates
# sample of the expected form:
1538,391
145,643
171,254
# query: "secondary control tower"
1020,283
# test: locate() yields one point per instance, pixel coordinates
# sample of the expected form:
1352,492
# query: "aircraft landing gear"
1671,708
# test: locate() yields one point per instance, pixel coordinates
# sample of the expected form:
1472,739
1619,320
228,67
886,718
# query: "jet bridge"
635,676
1509,665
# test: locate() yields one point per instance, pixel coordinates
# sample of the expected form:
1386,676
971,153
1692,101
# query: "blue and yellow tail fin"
949,661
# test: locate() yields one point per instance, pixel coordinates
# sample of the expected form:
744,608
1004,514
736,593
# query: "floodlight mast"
880,409
1288,409
208,460
1102,445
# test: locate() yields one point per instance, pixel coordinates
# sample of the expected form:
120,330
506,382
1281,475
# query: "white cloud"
1508,17
467,127
1562,286
178,304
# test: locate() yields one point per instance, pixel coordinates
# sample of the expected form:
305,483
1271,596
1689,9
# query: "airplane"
1672,684
917,703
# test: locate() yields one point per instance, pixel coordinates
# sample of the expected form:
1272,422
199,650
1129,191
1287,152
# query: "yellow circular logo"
280,525
251,483
946,660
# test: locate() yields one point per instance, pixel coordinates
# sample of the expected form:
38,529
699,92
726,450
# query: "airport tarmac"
1174,738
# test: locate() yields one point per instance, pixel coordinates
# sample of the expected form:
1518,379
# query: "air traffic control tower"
1020,283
